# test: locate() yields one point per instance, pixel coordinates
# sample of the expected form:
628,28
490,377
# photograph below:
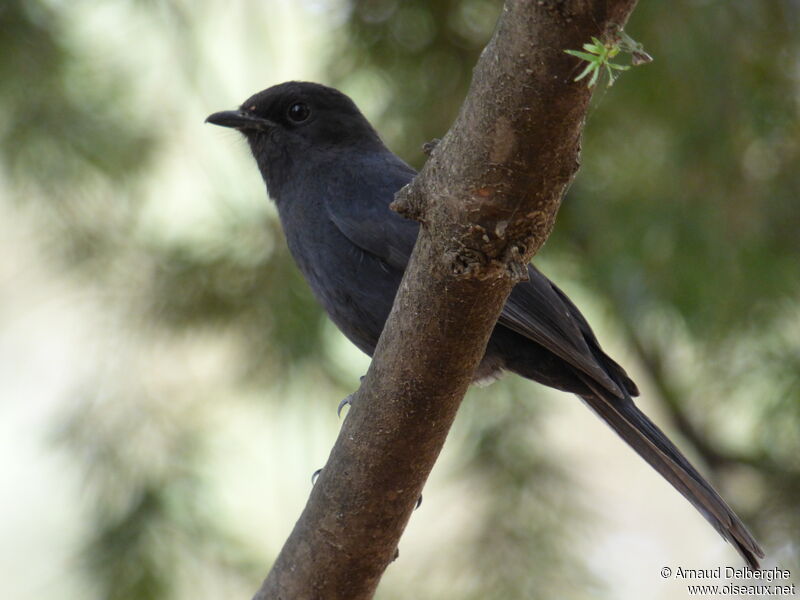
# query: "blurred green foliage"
150,500
62,120
421,55
259,293
683,225
532,526
68,129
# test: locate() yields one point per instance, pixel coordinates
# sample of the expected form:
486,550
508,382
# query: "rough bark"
487,199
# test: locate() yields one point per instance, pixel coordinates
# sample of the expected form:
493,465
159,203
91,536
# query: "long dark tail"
641,434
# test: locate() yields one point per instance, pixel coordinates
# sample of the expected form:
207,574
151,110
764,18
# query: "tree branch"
487,199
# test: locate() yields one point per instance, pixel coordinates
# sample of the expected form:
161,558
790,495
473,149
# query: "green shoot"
599,54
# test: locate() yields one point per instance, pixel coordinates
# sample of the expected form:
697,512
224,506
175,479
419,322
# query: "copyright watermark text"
733,581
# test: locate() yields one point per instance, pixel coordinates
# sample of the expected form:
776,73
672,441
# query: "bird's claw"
419,502
315,476
348,401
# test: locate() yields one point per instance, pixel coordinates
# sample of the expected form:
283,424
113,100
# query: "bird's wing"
541,312
536,309
364,216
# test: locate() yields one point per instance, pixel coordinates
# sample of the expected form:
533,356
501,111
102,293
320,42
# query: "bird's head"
296,125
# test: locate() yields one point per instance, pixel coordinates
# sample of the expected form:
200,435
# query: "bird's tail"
641,434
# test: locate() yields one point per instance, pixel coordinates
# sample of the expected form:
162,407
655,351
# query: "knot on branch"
484,260
468,263
410,203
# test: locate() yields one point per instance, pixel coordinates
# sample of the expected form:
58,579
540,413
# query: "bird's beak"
238,119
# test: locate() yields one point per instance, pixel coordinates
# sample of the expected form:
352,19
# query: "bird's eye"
298,112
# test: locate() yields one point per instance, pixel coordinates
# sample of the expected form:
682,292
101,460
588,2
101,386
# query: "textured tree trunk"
487,199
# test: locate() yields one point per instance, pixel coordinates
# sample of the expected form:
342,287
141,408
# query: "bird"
332,180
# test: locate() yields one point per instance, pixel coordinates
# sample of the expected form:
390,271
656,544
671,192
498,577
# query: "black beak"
238,119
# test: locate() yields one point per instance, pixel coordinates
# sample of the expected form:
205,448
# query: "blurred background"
168,385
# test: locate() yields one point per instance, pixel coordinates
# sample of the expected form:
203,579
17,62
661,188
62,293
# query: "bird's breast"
354,287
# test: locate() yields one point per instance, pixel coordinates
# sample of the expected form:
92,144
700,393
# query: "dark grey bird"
332,179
